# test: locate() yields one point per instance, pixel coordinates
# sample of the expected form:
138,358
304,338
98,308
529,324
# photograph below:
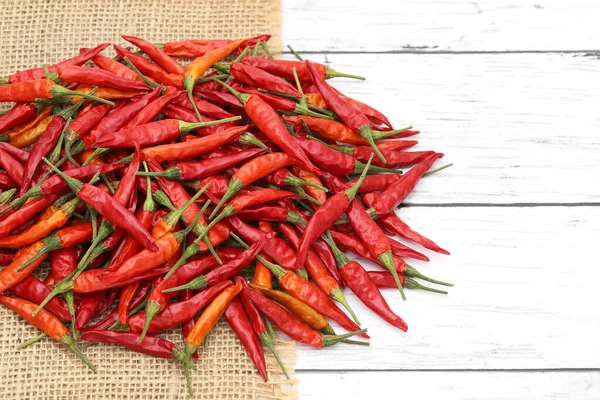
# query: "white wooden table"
510,91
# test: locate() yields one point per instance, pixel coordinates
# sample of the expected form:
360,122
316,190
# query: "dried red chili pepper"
153,346
157,55
292,326
20,114
18,154
97,77
326,215
108,64
88,306
284,69
153,71
270,213
34,290
386,280
259,78
361,284
151,110
240,323
13,167
46,322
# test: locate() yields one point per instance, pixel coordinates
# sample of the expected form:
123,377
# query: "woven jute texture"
35,33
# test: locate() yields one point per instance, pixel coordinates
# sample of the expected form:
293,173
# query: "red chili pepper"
6,257
268,122
292,326
259,78
252,171
20,114
13,167
30,91
270,213
34,290
153,346
204,107
19,154
152,133
238,320
325,216
348,113
318,271
197,48
372,237
108,64
82,124
97,77
89,304
394,195
40,72
110,209
179,312
361,284
157,55
46,322
151,110
276,248
394,159
284,69
222,98
118,118
153,71
108,302
399,227
374,183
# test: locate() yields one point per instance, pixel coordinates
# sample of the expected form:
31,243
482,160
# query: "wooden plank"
438,25
518,127
524,298
452,384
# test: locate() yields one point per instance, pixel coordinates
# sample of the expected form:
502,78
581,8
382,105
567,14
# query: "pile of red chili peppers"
163,195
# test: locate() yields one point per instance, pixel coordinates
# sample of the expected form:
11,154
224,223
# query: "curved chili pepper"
201,169
29,91
45,144
34,290
151,110
46,322
361,284
118,118
348,113
374,183
56,218
88,306
284,69
204,107
252,198
193,148
6,182
276,248
394,195
97,77
82,124
13,167
292,326
108,302
153,71
153,346
32,123
373,238
40,72
110,209
20,114
15,152
259,78
178,312
268,122
156,54
240,323
108,64
326,215
10,275
252,171
200,65
318,271
221,98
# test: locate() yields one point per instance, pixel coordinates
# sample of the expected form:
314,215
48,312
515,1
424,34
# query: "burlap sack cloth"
34,33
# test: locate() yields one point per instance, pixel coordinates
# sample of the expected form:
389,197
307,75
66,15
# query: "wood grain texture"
453,385
438,25
524,298
518,127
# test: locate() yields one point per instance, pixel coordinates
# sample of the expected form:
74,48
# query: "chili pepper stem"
188,380
31,341
434,171
97,152
70,300
235,185
331,73
196,283
387,259
152,310
351,192
269,326
242,97
365,132
413,272
74,184
188,84
249,138
294,53
58,91
337,295
295,181
378,135
412,284
228,211
266,341
189,126
68,341
50,243
330,340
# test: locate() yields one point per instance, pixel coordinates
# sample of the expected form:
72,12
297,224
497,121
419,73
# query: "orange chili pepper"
108,93
9,275
16,131
314,192
45,321
29,91
31,136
